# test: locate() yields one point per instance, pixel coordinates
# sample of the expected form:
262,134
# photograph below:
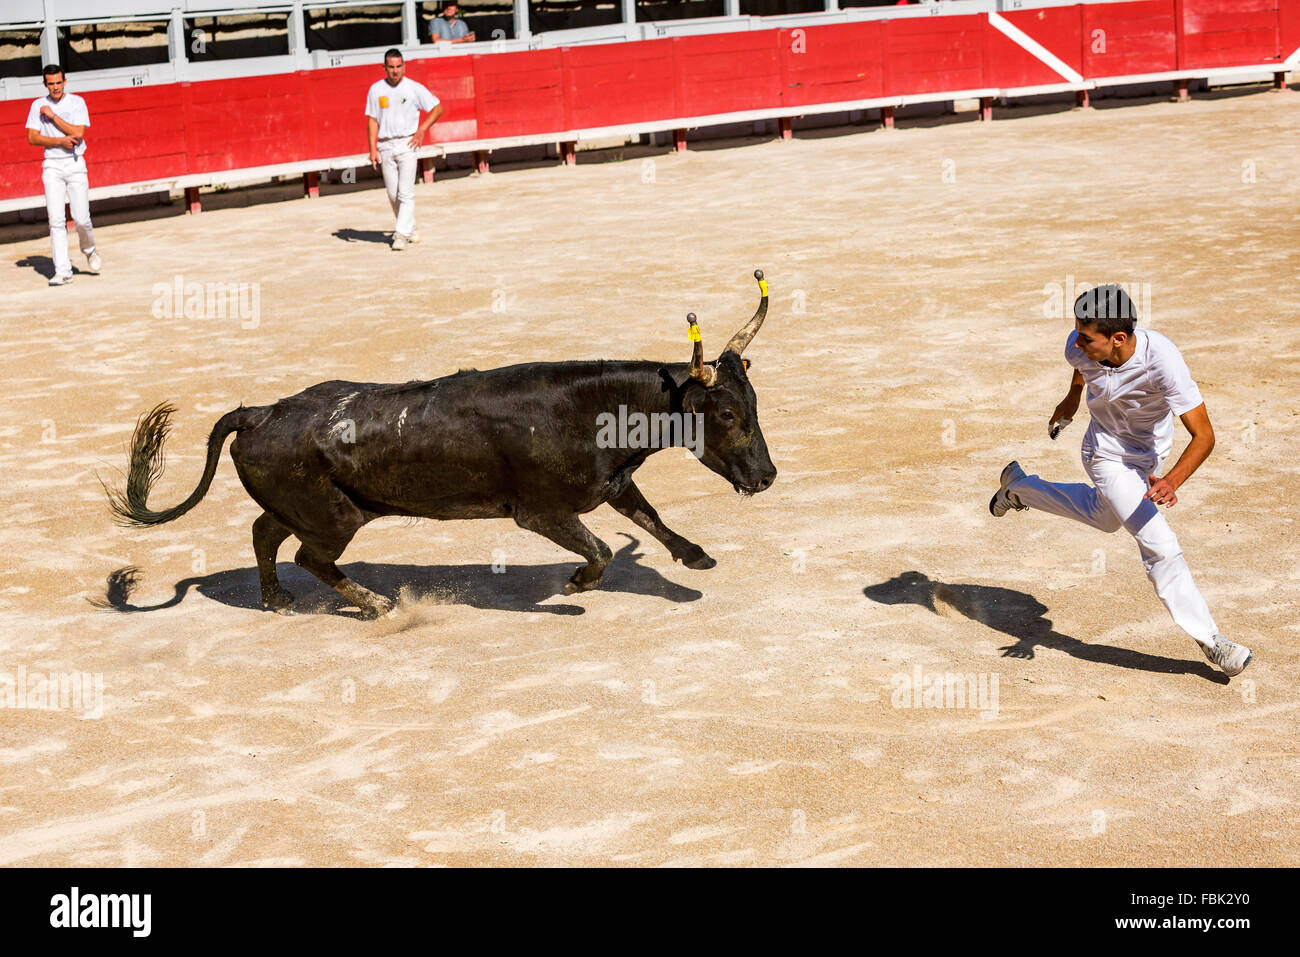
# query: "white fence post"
521,20
50,36
410,25
298,37
176,43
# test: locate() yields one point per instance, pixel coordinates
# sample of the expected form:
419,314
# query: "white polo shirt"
71,109
1133,406
398,108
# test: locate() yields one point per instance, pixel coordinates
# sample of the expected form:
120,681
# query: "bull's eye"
727,416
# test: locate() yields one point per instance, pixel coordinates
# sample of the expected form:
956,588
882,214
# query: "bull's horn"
705,374
746,335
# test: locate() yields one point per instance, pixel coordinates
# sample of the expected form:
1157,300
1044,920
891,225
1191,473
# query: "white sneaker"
1231,657
414,237
93,262
61,280
1004,500
399,242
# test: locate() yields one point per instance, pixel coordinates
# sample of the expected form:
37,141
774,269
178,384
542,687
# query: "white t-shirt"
398,108
1133,406
71,109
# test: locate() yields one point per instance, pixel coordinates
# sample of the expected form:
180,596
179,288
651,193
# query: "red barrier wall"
619,83
933,54
1224,32
1121,39
159,132
519,93
452,80
727,72
832,64
135,134
1057,29
1290,20
1008,64
332,107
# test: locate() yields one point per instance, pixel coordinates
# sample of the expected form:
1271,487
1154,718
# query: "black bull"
519,442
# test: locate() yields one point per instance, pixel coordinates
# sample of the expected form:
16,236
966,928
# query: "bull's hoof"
279,601
576,584
695,557
380,607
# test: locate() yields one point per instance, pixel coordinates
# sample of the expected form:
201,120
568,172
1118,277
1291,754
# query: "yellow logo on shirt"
383,102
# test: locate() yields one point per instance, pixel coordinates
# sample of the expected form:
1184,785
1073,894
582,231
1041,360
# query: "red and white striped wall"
184,135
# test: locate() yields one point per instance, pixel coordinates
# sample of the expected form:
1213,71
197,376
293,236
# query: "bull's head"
721,393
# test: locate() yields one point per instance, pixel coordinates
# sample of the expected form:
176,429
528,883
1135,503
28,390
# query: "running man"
1137,382
395,132
57,123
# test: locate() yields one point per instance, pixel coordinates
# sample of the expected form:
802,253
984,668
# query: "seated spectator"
447,28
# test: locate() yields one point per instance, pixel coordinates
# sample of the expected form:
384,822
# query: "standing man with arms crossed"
446,27
395,132
57,122
1137,382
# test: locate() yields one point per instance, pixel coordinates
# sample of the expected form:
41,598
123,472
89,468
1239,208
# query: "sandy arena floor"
751,714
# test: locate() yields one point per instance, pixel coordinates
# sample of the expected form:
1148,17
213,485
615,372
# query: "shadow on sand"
1021,617
349,235
43,265
518,588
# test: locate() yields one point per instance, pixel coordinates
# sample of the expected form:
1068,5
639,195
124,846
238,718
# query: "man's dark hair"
394,53
1108,309
51,69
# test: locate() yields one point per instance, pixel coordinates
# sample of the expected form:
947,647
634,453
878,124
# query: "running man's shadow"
515,588
1021,617
42,264
349,235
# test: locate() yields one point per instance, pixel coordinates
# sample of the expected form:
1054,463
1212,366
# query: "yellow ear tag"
762,287
694,334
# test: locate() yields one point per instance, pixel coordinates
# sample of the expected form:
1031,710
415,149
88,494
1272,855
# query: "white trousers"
1114,501
66,181
398,162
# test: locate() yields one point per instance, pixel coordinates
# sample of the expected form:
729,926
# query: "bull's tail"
130,505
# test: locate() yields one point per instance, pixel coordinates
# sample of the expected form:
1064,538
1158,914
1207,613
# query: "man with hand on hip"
395,132
57,123
1137,383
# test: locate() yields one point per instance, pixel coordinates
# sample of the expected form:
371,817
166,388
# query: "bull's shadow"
515,588
1022,617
